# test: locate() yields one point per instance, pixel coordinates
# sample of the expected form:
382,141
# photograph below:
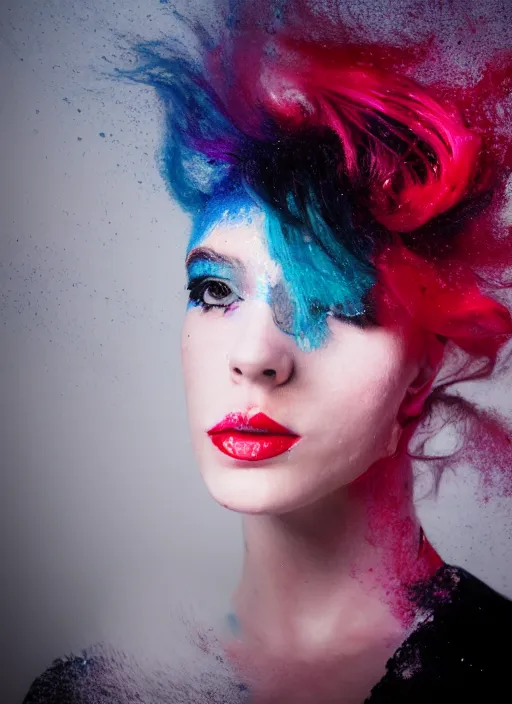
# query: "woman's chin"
250,493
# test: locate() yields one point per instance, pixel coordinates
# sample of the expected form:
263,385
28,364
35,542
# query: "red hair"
431,167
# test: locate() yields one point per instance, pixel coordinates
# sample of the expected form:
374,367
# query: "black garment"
459,654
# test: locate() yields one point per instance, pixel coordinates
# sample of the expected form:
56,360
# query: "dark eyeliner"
199,285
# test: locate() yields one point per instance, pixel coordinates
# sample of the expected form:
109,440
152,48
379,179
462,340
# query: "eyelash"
199,286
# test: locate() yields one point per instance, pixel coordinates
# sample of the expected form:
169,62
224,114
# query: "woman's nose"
262,354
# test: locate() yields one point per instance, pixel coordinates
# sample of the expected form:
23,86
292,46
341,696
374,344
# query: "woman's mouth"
251,439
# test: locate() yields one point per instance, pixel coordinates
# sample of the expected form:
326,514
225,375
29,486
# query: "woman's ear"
419,390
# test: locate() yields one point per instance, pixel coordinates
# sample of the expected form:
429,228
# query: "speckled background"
106,530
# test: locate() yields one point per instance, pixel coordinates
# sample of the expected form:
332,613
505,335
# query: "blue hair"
210,166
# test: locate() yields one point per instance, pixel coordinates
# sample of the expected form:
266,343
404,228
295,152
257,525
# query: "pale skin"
331,534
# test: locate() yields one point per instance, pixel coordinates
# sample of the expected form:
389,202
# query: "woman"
343,218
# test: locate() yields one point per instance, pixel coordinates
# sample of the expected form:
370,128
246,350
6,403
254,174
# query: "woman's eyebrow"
202,253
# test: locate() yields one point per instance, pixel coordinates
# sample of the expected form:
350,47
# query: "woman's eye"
217,293
212,293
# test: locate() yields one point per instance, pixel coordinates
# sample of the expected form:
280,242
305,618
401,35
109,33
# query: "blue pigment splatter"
317,282
235,208
205,267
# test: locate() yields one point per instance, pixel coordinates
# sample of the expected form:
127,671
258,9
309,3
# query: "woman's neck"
348,559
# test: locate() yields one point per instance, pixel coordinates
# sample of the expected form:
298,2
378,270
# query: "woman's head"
327,269
339,394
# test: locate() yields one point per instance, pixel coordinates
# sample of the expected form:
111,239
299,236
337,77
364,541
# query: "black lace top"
460,652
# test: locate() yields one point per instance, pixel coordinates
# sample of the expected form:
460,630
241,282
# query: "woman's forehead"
237,236
241,238
224,212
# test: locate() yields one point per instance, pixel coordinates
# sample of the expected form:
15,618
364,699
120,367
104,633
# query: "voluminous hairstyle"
410,179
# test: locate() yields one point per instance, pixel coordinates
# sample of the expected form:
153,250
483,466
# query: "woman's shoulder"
106,675
457,651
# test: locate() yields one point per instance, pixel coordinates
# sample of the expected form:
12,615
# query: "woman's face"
275,427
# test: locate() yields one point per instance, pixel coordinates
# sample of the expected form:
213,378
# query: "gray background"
106,530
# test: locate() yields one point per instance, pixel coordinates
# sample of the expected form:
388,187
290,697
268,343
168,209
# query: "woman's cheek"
204,360
192,353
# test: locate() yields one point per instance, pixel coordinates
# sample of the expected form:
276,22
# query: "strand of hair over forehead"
339,127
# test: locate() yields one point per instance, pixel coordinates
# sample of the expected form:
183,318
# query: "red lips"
251,439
